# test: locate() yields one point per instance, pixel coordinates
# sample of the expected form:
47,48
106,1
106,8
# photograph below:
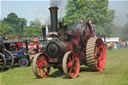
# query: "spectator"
93,27
79,26
115,45
3,37
110,46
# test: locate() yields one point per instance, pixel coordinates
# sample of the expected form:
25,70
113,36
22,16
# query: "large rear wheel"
40,66
9,59
2,61
95,54
71,64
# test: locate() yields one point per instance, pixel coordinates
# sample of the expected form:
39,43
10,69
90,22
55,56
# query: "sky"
121,10
31,9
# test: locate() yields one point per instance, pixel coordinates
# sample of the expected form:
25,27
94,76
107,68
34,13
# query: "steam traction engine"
68,50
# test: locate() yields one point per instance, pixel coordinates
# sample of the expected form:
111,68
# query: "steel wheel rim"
99,55
71,64
2,61
41,69
23,62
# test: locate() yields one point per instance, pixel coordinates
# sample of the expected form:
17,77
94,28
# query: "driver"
82,22
93,27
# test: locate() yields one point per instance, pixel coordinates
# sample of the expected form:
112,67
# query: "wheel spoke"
74,70
44,71
74,58
69,64
70,70
39,72
96,52
99,64
70,59
99,58
100,47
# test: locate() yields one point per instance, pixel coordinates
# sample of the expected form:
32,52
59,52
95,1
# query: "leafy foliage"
15,22
13,25
33,30
95,10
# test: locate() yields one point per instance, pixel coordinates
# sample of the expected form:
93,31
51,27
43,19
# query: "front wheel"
71,64
40,66
23,62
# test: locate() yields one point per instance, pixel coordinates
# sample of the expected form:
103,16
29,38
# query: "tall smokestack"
53,12
44,32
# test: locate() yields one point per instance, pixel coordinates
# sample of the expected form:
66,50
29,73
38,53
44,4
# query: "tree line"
13,25
95,10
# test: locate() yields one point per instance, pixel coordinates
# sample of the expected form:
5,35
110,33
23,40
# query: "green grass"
115,73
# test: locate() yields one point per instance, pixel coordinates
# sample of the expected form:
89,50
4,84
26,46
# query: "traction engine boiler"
68,50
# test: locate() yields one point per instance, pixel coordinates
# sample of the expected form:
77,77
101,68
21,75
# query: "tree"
12,18
5,28
95,10
36,23
33,29
16,23
22,23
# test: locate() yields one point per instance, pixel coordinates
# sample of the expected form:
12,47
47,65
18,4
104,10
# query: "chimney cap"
43,26
53,9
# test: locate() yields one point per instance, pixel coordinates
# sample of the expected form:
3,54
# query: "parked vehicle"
19,50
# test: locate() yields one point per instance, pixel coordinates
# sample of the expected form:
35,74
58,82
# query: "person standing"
93,27
82,22
3,37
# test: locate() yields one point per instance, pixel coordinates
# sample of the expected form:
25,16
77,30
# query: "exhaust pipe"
44,32
53,13
44,42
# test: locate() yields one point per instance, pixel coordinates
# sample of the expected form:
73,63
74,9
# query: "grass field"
115,73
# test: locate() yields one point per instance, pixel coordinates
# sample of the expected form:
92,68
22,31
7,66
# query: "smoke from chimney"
61,5
55,3
42,13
